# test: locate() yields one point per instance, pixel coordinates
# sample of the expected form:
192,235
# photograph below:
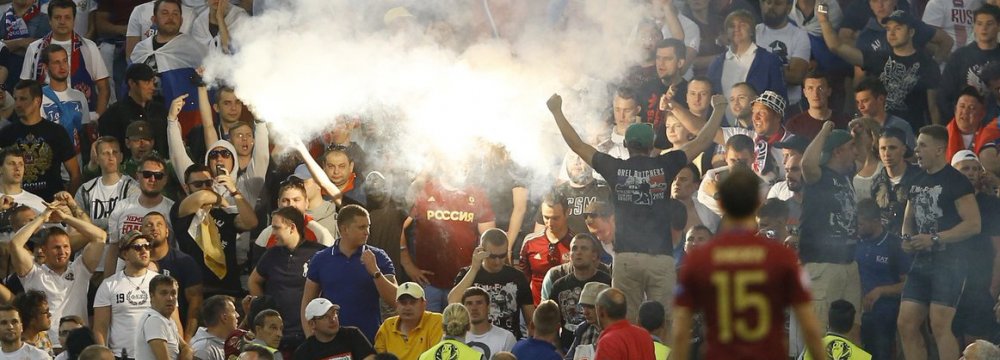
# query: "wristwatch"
936,239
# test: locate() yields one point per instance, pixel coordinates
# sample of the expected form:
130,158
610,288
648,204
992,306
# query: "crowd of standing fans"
146,214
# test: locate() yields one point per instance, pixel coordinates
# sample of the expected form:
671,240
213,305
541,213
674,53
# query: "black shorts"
936,278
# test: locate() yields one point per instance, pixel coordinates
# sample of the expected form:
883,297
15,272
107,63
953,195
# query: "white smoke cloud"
300,67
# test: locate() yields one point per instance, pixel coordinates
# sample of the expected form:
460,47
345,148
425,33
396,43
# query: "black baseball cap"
794,142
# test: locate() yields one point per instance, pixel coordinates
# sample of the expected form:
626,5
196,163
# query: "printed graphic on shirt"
779,49
899,80
577,204
973,79
134,297
38,157
844,220
641,187
926,210
568,303
100,209
503,303
131,222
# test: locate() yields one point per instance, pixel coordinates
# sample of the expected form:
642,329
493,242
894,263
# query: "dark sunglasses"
214,154
138,247
201,183
158,175
336,147
554,256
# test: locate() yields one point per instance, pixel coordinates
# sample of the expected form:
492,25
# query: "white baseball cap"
963,155
318,307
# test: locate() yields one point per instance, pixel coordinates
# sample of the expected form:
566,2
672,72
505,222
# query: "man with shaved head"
620,339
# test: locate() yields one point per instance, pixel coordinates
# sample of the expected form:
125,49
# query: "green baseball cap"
640,134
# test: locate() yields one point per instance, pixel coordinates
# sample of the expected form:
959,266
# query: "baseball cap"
963,155
836,138
302,172
410,288
773,101
139,71
899,16
794,142
139,129
318,307
590,291
640,134
599,208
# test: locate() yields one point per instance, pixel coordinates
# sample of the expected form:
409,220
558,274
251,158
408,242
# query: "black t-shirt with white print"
906,79
828,220
509,291
932,200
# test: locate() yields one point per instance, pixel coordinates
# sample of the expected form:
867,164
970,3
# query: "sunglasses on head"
201,183
158,175
214,154
138,247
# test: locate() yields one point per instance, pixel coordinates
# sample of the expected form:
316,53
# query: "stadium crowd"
872,125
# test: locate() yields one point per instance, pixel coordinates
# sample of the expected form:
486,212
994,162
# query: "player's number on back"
735,300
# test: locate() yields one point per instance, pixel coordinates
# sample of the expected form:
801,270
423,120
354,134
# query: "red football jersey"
538,256
742,283
447,230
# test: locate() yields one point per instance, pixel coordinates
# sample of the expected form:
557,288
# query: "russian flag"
175,62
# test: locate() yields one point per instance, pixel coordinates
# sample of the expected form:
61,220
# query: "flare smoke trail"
301,66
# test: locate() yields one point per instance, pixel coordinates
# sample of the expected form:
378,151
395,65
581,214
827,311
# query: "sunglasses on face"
158,175
215,154
138,247
200,183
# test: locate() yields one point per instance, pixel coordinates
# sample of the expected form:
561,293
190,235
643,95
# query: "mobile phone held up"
822,7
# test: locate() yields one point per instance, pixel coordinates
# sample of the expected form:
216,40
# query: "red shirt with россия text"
447,230
742,283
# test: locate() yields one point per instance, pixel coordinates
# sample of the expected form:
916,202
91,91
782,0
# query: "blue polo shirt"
881,261
535,349
344,281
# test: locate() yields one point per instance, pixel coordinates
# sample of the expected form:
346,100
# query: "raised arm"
246,217
690,121
21,258
941,45
520,195
384,283
197,200
709,132
97,237
220,20
581,148
478,255
811,170
843,49
319,176
175,143
671,21
207,119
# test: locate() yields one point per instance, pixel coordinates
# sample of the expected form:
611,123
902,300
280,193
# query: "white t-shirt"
153,325
496,340
140,22
72,98
954,17
735,68
31,200
128,298
26,352
66,293
788,42
100,200
128,215
91,56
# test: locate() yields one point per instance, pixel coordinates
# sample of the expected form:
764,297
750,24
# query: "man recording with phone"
206,222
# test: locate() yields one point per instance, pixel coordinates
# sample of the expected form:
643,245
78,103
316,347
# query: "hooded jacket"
207,346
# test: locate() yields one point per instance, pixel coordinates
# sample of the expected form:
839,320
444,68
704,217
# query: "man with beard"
566,291
123,298
11,345
741,105
128,214
817,89
62,104
580,189
174,263
507,287
669,58
64,282
789,42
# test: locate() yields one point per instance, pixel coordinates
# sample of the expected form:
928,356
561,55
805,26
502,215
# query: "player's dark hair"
61,4
51,233
77,340
937,132
29,305
213,308
627,93
652,315
546,318
817,74
555,198
680,50
974,93
475,291
156,5
46,53
841,316
988,9
71,318
695,174
739,193
294,216
261,317
34,88
873,84
494,237
739,142
773,208
159,280
194,168
10,151
347,214
152,157
595,244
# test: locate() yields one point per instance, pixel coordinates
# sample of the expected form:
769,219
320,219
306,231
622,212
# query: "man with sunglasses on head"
127,216
123,298
207,222
509,291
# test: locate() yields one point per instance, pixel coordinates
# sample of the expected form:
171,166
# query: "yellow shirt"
838,347
452,349
409,346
